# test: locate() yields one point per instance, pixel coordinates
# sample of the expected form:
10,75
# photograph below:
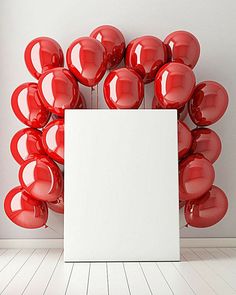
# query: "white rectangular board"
121,185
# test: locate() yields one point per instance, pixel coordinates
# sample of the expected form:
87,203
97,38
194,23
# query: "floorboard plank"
230,252
174,279
117,279
36,272
156,280
224,272
196,282
24,275
136,280
7,256
213,279
2,251
11,269
223,258
38,283
98,284
59,279
79,279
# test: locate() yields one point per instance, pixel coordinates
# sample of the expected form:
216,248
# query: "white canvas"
121,185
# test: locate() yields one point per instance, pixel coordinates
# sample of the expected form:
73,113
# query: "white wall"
213,22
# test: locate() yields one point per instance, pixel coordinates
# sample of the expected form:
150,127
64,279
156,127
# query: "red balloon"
196,176
123,89
146,55
25,211
28,107
183,47
43,54
207,143
208,103
80,105
174,85
58,205
114,43
184,139
58,90
53,140
25,143
87,60
183,112
208,210
41,178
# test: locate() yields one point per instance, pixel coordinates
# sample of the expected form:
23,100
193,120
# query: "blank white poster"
121,185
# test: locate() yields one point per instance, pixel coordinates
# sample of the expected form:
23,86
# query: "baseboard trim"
58,243
31,243
208,242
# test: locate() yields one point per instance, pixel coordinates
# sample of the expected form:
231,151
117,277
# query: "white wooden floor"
202,271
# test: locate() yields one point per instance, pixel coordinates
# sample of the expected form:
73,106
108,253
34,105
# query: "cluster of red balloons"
39,148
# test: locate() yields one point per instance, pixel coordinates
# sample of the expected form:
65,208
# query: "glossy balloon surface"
58,205
208,210
183,47
123,89
53,140
174,85
28,107
25,211
207,143
43,54
146,55
208,103
41,178
87,60
184,139
182,112
25,143
196,176
113,41
58,90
